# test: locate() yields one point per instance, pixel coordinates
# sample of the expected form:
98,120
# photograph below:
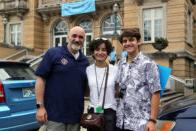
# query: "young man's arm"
41,114
151,124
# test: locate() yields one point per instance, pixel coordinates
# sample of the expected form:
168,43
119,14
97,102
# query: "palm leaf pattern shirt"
140,78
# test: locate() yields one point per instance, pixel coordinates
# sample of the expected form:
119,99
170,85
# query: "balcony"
12,7
57,3
48,8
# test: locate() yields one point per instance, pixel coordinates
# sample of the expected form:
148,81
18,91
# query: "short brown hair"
130,32
97,42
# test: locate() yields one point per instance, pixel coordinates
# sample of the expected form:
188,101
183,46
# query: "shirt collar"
67,52
76,55
124,60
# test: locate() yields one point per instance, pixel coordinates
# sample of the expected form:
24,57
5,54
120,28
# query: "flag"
164,73
79,7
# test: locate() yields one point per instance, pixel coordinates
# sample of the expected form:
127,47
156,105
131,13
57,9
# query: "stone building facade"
38,25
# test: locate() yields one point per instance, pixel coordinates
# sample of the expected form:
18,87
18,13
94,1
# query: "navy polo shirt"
65,79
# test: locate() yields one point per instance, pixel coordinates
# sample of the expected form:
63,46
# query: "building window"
189,36
152,24
60,34
87,25
108,25
15,34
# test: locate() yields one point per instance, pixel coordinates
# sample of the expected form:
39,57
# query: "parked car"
17,97
179,115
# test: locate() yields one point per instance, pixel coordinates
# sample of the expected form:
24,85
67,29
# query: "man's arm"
155,105
151,125
41,114
39,89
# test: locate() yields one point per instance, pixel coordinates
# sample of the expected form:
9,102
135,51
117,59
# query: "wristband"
152,120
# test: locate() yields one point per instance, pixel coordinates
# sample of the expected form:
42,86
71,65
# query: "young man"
138,78
60,84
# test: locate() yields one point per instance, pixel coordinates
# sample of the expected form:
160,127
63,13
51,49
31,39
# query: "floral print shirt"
140,78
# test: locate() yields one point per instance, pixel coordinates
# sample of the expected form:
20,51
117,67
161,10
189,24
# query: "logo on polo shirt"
64,61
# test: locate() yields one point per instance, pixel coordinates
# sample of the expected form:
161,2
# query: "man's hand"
150,126
41,115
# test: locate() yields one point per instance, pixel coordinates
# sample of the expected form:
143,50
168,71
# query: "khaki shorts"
57,126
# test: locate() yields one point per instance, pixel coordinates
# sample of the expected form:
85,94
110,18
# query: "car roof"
181,104
11,62
188,113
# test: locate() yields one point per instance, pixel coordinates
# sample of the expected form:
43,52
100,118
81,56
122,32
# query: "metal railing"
17,54
176,84
35,61
45,3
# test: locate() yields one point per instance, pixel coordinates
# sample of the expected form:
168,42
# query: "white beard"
75,47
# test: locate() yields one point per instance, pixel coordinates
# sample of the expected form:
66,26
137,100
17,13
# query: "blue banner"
164,73
79,7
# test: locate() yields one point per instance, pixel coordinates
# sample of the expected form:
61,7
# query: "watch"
152,120
39,104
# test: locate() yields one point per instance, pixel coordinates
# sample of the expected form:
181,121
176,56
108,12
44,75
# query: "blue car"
179,115
17,97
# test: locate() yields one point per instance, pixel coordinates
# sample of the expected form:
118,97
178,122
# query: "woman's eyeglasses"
100,38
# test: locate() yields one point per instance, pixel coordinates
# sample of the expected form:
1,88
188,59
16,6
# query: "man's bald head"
77,29
76,39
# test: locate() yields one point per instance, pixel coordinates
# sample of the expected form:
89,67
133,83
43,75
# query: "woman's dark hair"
97,42
130,32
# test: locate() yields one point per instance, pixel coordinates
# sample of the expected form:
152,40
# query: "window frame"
16,33
189,26
164,20
110,33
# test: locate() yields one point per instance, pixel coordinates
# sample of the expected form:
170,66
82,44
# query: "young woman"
100,49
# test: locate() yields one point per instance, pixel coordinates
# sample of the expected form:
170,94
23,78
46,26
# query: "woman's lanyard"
99,89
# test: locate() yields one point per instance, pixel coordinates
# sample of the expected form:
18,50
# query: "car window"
16,73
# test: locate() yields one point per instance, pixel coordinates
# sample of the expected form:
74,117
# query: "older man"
60,84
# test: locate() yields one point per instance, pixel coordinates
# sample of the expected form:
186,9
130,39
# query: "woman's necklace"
99,89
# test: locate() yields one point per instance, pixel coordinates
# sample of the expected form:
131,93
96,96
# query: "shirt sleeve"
44,67
152,76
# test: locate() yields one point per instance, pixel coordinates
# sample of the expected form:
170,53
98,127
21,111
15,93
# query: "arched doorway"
87,25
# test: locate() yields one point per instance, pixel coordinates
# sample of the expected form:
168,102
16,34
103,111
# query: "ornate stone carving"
45,17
